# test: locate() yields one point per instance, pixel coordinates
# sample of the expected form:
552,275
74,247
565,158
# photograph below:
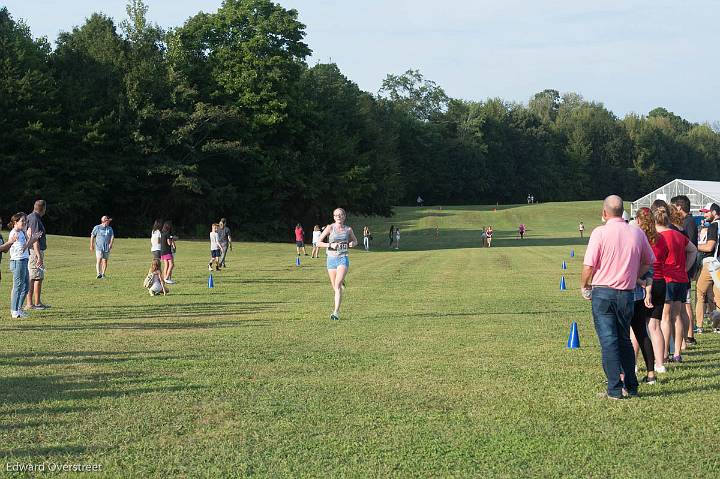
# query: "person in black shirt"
167,251
707,247
682,205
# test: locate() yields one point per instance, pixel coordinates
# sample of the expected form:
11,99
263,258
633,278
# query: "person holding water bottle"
340,237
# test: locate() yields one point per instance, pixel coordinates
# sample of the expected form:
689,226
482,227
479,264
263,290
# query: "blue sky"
631,55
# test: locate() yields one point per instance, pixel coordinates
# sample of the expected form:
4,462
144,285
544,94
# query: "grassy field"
449,360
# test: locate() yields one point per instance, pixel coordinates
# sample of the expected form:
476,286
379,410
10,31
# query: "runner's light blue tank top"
341,237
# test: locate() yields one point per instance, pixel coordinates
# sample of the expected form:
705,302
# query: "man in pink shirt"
617,255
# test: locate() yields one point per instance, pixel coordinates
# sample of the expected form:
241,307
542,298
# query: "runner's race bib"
342,247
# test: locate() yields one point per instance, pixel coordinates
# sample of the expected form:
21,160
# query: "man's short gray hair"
613,206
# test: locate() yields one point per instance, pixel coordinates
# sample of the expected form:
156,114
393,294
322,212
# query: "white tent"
699,192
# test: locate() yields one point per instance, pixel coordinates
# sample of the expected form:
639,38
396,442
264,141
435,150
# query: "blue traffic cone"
297,261
564,265
574,338
572,253
562,283
211,283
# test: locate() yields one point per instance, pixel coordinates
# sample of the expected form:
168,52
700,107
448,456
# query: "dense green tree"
222,116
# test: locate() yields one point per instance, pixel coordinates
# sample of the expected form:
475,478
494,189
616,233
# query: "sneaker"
99,276
605,395
697,330
334,317
649,380
151,293
39,307
43,306
209,269
677,359
660,369
14,315
690,341
22,314
716,330
169,281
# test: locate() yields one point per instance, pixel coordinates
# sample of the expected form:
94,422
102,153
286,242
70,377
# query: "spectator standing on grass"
167,250
581,229
707,248
215,248
617,255
3,247
676,223
19,243
681,256
391,236
682,204
366,237
101,240
300,239
488,235
654,313
224,239
315,238
156,239
397,238
521,230
36,262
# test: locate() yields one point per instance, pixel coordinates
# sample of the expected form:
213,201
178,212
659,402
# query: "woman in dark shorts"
167,251
681,256
652,312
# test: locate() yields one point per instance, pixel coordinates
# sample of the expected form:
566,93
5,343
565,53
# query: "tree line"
223,116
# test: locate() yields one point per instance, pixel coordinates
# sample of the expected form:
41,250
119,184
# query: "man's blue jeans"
19,268
612,311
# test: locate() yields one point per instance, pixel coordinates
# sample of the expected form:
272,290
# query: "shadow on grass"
115,314
38,389
441,315
84,357
40,452
82,326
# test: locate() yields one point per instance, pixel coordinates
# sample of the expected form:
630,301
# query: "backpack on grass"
149,280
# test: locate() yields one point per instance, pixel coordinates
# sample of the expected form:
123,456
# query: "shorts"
156,254
657,296
36,274
215,253
102,254
676,292
167,257
314,244
300,244
333,262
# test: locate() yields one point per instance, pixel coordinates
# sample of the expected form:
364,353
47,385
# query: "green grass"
449,360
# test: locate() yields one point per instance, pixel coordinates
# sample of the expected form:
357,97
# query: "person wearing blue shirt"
101,241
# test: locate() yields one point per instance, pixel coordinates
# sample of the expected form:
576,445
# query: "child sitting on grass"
215,247
154,281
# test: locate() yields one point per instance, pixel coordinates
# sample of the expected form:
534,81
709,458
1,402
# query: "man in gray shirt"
224,239
101,241
36,265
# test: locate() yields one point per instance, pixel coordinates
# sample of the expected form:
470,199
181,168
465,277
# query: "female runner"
339,238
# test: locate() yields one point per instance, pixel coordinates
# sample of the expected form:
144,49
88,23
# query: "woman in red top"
654,312
681,256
